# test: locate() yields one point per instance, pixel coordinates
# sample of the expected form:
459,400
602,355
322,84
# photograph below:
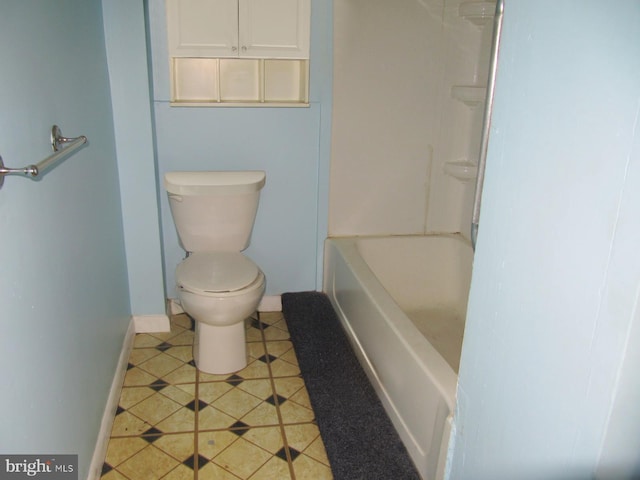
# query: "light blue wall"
63,280
548,387
291,144
126,42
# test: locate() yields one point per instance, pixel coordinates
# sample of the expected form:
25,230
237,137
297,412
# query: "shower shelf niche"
470,95
461,170
478,13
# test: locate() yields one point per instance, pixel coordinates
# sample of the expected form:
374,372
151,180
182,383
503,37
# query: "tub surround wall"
63,281
395,122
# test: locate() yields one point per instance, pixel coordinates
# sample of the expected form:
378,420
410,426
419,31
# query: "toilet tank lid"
213,183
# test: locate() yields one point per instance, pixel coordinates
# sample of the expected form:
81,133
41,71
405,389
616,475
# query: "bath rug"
358,435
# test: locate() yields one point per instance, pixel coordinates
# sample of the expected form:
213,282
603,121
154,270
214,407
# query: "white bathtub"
402,301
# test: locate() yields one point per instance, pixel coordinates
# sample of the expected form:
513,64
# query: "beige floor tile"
182,420
136,377
145,340
256,349
215,472
160,365
126,424
236,403
213,443
211,391
268,438
212,377
290,356
210,418
242,458
279,347
306,468
184,374
167,336
184,338
237,429
155,408
317,451
301,436
113,475
184,352
275,333
149,463
263,414
133,395
120,449
254,335
177,394
189,388
261,389
255,369
275,468
271,317
301,397
288,386
180,446
181,472
139,355
293,413
280,368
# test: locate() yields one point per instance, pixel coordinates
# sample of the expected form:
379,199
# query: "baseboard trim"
100,451
151,323
270,303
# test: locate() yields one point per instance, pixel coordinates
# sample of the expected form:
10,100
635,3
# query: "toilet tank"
214,211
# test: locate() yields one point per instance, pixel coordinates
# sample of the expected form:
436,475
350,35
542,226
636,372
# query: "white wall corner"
100,450
151,323
270,303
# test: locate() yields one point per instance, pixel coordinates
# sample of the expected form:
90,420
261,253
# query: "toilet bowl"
214,292
217,285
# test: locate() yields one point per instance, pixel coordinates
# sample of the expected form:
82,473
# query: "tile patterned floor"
174,422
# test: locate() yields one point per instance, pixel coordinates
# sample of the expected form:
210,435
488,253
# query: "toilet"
217,285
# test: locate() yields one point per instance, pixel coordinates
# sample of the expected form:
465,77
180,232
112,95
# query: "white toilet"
217,286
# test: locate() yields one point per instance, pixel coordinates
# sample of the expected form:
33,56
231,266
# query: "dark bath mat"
360,440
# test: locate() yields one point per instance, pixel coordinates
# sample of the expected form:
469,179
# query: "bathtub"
402,301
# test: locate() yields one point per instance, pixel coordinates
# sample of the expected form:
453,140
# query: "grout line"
276,402
196,426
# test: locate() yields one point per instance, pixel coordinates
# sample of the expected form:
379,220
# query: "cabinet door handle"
234,49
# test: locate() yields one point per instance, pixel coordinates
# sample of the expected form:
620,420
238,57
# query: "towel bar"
57,141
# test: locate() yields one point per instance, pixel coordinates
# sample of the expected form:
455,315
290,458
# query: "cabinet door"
202,28
274,28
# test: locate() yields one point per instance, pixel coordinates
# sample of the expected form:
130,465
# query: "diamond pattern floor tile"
176,423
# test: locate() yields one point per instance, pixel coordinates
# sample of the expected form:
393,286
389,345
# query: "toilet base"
220,350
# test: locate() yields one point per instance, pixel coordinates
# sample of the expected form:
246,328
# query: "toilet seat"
219,273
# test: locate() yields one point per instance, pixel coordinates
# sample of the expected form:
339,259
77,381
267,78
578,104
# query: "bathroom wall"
549,374
63,280
396,125
126,44
290,144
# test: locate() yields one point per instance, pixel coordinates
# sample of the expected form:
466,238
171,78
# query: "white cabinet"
239,28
